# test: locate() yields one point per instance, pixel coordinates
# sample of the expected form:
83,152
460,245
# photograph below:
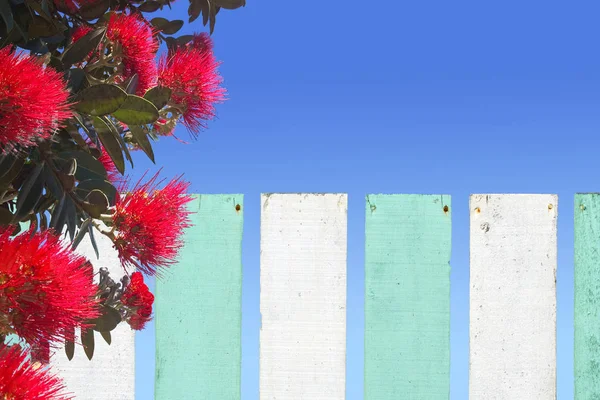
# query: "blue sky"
397,97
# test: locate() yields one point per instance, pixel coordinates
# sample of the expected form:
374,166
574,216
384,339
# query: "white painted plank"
303,296
513,297
111,372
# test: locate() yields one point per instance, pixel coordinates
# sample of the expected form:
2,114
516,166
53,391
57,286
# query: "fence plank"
513,297
198,307
303,296
407,297
587,296
111,372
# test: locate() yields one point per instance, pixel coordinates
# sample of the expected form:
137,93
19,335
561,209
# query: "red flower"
191,73
21,379
149,224
138,298
33,100
133,40
45,288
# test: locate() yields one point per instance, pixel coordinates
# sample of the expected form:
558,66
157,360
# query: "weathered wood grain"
303,296
513,297
407,297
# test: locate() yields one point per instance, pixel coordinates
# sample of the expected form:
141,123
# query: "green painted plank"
587,297
407,297
199,309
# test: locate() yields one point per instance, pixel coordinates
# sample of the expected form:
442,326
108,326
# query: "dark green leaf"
7,179
95,203
87,339
214,10
159,96
6,14
40,27
108,321
46,202
57,218
31,191
166,26
136,111
93,241
71,218
6,162
149,6
43,221
84,188
106,336
70,346
52,185
100,99
198,7
83,230
5,216
75,78
117,131
78,51
95,9
229,4
140,136
110,143
185,39
131,84
88,167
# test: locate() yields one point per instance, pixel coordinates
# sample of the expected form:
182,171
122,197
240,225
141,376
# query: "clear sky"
398,97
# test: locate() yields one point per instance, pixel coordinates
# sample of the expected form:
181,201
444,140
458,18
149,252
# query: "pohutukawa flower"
138,299
192,75
149,224
33,101
132,41
22,379
45,288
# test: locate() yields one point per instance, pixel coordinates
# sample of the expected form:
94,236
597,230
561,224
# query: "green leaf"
88,167
93,241
106,336
131,84
140,136
7,179
198,7
94,10
5,216
100,99
229,4
52,185
79,50
87,339
159,96
166,26
30,192
83,230
110,143
71,218
6,14
57,218
75,78
149,6
136,110
85,187
185,39
108,321
95,203
70,347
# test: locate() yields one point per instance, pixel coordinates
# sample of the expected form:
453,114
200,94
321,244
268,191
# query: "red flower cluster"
138,298
191,73
33,101
149,223
20,379
45,289
134,39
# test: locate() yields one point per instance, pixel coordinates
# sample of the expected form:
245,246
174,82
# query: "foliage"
92,91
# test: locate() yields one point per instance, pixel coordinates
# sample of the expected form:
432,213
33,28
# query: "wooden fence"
513,263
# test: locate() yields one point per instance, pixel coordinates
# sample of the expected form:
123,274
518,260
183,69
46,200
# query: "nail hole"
445,209
550,206
582,207
477,210
373,207
238,207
